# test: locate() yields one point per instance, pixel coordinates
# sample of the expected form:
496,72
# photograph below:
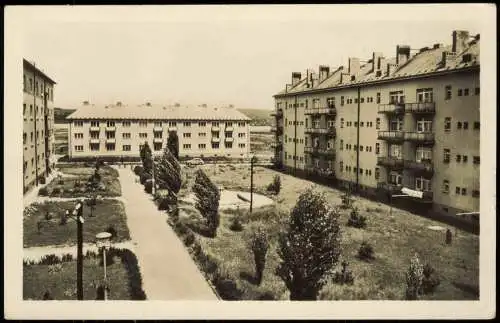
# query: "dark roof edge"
402,78
153,118
30,65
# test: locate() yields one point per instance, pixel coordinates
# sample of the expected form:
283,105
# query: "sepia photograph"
250,161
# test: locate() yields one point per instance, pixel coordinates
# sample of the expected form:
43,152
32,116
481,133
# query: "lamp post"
252,161
103,241
77,215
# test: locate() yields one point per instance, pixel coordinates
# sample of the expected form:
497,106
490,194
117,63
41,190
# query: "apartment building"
38,125
380,125
119,131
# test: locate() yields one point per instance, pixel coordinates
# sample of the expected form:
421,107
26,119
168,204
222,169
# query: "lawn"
105,214
59,279
74,186
394,238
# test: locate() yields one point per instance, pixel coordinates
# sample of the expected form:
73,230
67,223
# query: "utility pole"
77,212
252,161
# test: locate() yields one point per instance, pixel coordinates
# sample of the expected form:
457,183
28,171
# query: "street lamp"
77,215
253,160
103,241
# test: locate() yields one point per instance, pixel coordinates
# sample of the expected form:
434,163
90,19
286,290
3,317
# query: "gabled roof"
28,65
156,112
423,63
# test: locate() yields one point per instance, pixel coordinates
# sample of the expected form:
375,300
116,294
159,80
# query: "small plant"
275,185
148,186
414,278
47,296
56,191
138,170
111,229
42,180
43,192
260,246
448,236
48,215
356,220
189,238
347,200
50,259
365,251
345,276
236,224
430,281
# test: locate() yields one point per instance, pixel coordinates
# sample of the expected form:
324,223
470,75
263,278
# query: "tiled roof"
424,62
114,112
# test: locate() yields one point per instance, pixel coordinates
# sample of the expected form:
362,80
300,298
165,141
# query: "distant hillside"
61,114
260,117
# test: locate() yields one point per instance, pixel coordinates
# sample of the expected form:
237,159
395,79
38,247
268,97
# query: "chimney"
376,61
119,103
460,40
436,46
391,68
402,54
382,63
447,59
353,68
85,102
324,71
296,78
344,78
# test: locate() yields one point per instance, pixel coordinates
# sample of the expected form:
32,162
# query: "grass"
106,213
394,239
109,177
60,281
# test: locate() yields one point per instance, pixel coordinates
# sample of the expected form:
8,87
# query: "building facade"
119,131
378,126
38,125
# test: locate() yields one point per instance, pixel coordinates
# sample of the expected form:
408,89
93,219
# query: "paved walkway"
167,269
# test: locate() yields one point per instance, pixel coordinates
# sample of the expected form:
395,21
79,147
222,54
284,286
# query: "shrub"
63,220
414,277
430,280
275,185
111,229
138,170
344,276
356,220
42,180
259,244
365,251
189,238
347,200
56,191
50,259
144,177
236,224
148,186
67,257
43,192
207,203
47,296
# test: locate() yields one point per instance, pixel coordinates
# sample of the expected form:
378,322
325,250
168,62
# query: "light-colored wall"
135,129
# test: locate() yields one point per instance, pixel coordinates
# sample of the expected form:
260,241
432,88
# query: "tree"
414,277
173,143
147,158
260,246
310,247
168,175
207,203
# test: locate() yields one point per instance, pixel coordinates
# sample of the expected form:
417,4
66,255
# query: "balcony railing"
94,128
329,110
110,128
172,128
215,128
319,171
391,135
157,128
229,129
392,162
424,165
427,196
110,140
215,139
389,187
391,108
421,107
319,150
157,140
322,131
422,137
94,140
229,139
276,144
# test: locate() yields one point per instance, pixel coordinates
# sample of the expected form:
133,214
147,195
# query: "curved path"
168,272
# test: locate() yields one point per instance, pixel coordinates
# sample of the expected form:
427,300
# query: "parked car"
195,161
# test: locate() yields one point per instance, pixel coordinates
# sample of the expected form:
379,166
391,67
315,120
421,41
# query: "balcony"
172,128
420,137
423,166
389,187
393,136
110,140
319,151
215,139
110,128
322,131
229,139
421,108
278,113
157,128
229,129
329,110
391,108
427,196
215,128
390,162
94,128
318,171
94,140
158,140
277,145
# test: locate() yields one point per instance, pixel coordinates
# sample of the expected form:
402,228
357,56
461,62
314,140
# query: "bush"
260,245
365,251
430,280
148,186
56,191
138,170
236,224
144,177
189,238
275,185
63,219
50,259
356,220
414,278
42,180
345,276
43,192
111,229
347,200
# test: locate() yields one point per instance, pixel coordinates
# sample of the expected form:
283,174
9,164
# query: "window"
172,124
228,145
215,145
423,125
78,123
361,123
24,138
78,135
341,144
228,134
241,145
464,158
395,151
126,124
425,95
464,191
457,190
360,148
110,146
202,146
143,123
143,135
158,134
396,124
110,123
24,109
127,148
361,171
94,134
475,193
377,173
476,91
476,125
157,124
94,147
396,97
447,124
157,146
466,125
241,135
459,92
422,184
355,147
475,160
78,148
126,135
202,134
186,135
448,92
186,146
423,153
378,97
466,92
341,122
186,124
241,124
446,154
94,123
356,100
229,124
459,158
459,125
446,186
377,123
342,100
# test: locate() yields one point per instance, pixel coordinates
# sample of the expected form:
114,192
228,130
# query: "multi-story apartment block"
119,131
377,126
38,116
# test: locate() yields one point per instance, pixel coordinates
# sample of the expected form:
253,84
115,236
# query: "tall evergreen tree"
207,203
147,158
168,172
310,247
173,143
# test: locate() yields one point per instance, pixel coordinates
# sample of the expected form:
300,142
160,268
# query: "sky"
221,55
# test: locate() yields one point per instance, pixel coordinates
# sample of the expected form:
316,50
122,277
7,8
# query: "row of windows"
355,124
156,146
460,125
39,88
34,135
38,110
459,158
25,165
127,135
458,190
155,124
366,172
355,147
460,92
